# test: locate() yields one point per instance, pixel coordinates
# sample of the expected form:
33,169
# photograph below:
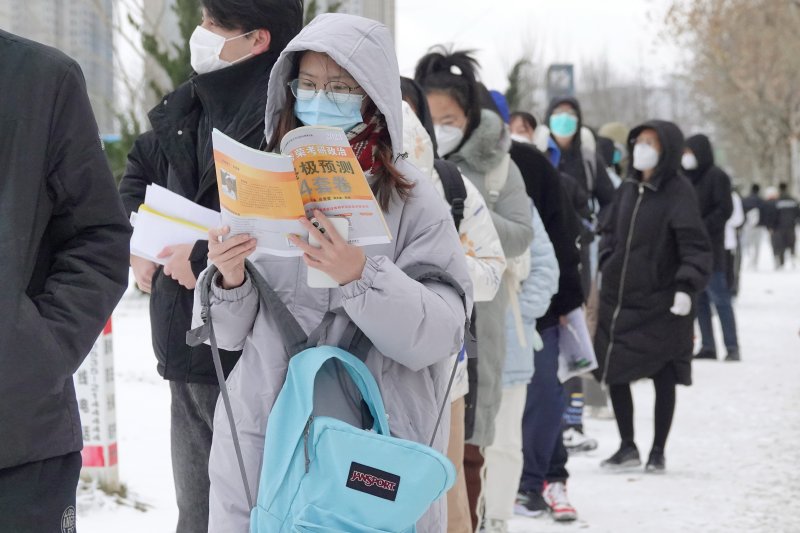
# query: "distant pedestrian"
713,188
753,228
787,217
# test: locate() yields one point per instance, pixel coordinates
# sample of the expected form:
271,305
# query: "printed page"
168,219
174,205
332,181
258,195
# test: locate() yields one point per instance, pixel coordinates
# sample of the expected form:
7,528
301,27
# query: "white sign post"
94,386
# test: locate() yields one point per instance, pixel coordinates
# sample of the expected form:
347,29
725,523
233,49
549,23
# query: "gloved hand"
682,305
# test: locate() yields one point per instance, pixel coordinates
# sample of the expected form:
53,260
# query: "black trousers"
39,497
664,382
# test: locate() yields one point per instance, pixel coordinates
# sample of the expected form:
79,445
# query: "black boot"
733,355
626,457
706,353
656,463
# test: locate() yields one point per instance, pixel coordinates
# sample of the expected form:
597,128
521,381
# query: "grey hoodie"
414,327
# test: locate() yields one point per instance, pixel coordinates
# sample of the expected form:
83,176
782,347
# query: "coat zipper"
618,308
306,434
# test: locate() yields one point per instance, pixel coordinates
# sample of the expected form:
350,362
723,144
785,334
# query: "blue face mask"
617,157
319,110
563,125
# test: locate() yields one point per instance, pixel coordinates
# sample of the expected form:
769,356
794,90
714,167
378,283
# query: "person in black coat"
229,93
654,257
64,241
713,188
786,219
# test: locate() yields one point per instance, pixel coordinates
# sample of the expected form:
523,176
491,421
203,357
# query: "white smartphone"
316,278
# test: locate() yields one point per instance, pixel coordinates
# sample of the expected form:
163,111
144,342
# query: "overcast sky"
570,31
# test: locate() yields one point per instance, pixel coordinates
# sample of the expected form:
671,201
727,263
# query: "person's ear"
261,42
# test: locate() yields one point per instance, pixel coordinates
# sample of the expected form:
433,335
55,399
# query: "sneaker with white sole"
576,442
555,495
530,504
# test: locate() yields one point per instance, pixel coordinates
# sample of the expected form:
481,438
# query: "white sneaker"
575,441
555,494
600,412
493,525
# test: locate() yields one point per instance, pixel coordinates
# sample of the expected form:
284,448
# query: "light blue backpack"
323,475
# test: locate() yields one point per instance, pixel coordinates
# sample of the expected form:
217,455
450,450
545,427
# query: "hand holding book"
228,255
335,257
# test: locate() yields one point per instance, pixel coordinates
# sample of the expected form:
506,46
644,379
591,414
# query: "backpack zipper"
618,308
306,433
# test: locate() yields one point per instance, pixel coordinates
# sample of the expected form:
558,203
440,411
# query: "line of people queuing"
601,245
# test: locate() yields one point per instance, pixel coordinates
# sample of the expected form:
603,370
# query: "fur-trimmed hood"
487,145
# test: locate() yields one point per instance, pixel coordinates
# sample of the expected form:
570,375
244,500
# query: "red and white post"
94,386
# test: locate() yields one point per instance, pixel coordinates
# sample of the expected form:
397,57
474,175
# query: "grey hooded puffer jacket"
512,216
414,327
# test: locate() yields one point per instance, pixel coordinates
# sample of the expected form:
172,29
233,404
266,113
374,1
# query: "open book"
166,219
265,194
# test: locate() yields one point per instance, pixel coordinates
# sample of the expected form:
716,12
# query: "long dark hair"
454,74
389,179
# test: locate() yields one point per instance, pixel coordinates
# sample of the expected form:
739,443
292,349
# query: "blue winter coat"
534,300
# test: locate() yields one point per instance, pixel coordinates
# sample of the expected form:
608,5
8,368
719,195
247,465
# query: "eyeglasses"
336,91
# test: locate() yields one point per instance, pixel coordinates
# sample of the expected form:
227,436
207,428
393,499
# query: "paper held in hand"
265,194
167,219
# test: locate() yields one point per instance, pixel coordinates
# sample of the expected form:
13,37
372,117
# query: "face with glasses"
318,72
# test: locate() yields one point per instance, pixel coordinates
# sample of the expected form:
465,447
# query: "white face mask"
645,157
689,161
447,138
520,138
541,138
205,47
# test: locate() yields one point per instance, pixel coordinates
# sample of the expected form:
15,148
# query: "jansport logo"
369,480
68,520
373,481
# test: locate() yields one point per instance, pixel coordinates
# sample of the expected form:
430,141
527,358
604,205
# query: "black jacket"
64,246
787,215
713,188
176,154
655,244
591,175
543,184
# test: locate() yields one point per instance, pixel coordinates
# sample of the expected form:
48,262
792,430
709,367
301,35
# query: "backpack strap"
455,192
355,342
495,181
294,339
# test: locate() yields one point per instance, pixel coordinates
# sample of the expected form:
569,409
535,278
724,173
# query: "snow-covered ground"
733,457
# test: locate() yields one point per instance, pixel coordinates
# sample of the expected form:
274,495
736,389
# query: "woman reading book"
341,71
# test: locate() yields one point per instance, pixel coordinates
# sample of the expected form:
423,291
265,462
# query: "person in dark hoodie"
232,53
713,188
655,257
586,165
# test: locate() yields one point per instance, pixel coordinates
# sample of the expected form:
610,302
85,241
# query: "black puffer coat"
713,188
177,154
654,245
